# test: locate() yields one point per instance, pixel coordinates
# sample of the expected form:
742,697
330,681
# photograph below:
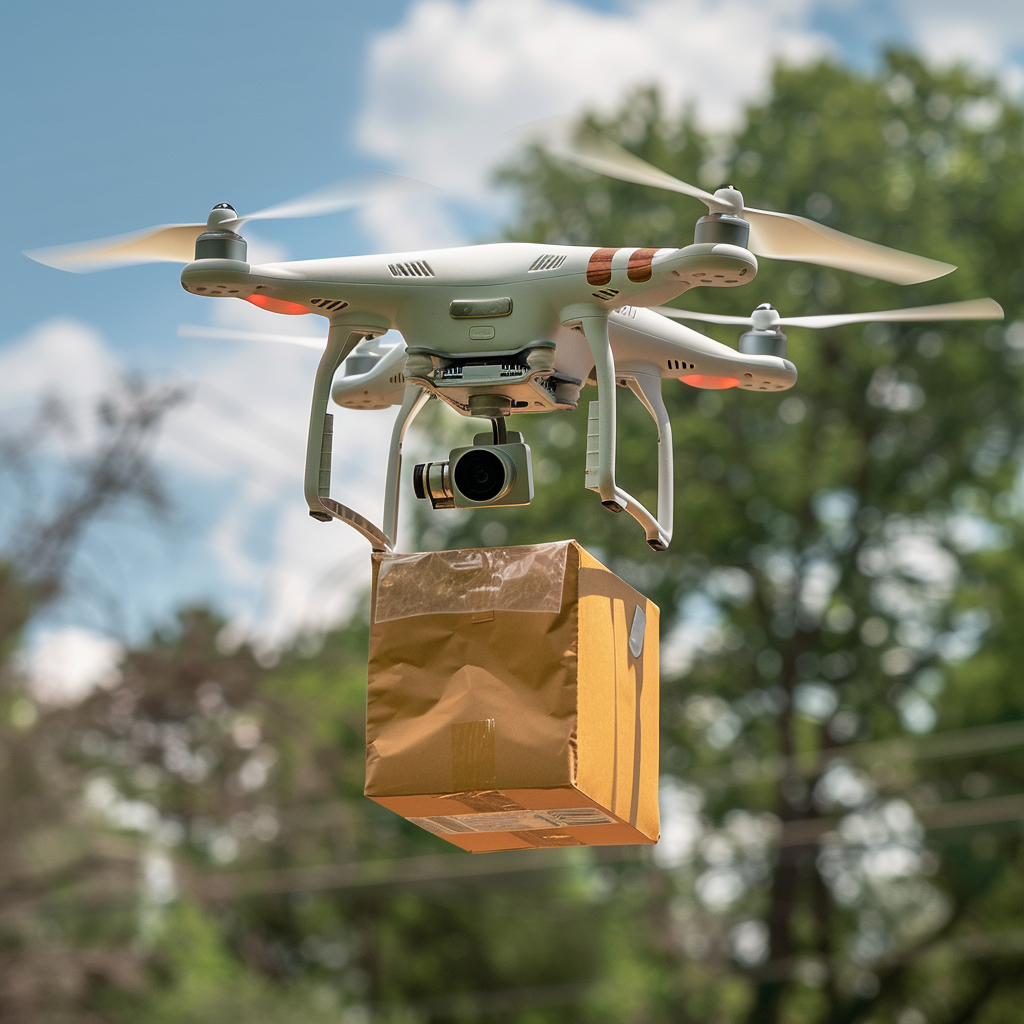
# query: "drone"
508,328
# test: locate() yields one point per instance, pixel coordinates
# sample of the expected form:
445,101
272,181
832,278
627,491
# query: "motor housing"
763,343
218,242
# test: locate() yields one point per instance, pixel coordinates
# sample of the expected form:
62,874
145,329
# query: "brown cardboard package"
513,698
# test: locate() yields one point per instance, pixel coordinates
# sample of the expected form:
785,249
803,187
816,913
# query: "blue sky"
121,115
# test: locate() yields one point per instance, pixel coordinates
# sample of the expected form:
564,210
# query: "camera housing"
480,475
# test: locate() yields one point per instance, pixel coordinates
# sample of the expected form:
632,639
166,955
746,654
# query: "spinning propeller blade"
175,243
168,243
596,153
230,334
777,236
371,346
709,318
972,309
342,195
785,236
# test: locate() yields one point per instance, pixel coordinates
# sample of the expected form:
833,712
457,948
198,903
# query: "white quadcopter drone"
492,330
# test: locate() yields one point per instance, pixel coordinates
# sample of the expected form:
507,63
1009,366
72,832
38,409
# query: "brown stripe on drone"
599,269
639,268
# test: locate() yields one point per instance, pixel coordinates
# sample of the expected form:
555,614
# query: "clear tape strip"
518,579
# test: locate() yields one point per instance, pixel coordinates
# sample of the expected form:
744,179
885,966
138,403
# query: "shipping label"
514,821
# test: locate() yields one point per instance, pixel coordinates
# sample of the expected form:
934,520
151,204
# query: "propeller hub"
219,241
221,214
732,198
764,318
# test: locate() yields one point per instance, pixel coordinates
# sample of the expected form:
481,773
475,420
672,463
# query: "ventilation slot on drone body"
328,303
417,268
606,293
547,262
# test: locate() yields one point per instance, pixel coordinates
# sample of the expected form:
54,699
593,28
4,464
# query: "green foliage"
845,572
199,980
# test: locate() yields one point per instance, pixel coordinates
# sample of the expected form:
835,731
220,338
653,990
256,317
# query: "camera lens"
482,475
432,480
418,487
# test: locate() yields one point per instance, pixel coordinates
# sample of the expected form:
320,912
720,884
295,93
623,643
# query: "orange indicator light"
699,380
276,305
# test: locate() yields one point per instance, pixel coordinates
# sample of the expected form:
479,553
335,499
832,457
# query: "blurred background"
182,671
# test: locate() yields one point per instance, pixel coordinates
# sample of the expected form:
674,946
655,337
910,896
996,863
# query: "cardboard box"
513,698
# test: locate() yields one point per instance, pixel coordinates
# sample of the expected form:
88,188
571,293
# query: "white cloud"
987,34
446,83
245,427
65,358
318,571
247,424
65,665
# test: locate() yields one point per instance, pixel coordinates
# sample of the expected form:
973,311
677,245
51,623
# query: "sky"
117,115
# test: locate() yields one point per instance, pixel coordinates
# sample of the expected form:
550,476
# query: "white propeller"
766,318
230,334
778,236
368,346
175,243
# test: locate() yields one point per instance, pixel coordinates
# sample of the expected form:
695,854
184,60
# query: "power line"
361,874
955,814
442,867
953,743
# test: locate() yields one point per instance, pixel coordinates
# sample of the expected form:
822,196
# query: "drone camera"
479,475
433,480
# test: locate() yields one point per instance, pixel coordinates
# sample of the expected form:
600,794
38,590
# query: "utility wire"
222,885
980,739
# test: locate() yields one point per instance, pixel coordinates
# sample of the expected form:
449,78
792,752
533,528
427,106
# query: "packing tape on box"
473,754
547,821
520,579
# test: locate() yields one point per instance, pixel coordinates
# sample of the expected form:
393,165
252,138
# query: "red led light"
276,305
699,380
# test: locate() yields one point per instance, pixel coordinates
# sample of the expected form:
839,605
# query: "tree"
847,556
52,864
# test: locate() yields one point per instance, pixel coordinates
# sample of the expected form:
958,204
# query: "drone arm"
601,478
340,342
600,473
414,400
647,388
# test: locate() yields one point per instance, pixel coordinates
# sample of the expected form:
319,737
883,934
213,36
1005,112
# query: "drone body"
508,328
493,330
495,302
642,341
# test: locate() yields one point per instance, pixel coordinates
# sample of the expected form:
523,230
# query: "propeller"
230,334
765,318
368,346
778,236
175,243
